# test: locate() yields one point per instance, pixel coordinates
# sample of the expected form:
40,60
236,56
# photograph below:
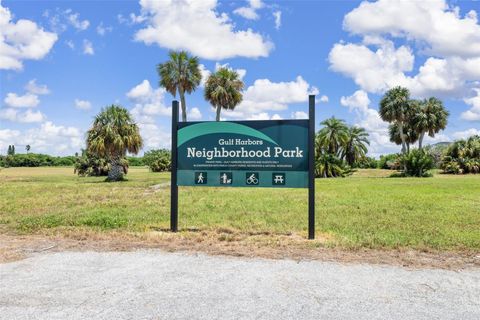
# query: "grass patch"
366,210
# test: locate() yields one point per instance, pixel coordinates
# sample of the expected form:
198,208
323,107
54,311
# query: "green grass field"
365,210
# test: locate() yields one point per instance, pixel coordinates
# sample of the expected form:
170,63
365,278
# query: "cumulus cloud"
83,104
28,116
299,115
34,88
194,114
46,138
392,32
250,11
88,47
323,99
81,25
278,19
265,95
466,133
196,26
369,119
22,40
148,100
473,114
28,100
103,30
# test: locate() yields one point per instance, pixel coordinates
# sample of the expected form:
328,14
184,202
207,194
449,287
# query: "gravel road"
160,285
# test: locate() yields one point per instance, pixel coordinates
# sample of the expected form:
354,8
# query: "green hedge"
35,160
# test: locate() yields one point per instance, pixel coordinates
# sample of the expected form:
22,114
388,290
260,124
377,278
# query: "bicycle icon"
252,178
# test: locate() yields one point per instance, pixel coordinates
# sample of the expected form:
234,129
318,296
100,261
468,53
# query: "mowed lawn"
365,210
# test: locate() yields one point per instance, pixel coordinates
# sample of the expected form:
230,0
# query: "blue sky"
62,61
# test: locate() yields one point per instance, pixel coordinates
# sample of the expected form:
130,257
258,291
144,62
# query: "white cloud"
466,133
77,23
241,72
437,26
88,47
205,74
47,138
323,99
35,88
369,119
83,104
299,115
148,102
22,40
450,42
28,116
103,30
265,95
196,26
194,114
28,100
473,114
278,19
250,12
374,71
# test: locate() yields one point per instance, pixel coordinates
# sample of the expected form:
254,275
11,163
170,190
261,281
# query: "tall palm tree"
356,145
430,118
181,73
112,134
411,136
333,135
27,147
396,107
223,90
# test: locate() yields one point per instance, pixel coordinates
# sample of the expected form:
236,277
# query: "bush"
463,156
135,161
35,160
158,160
417,163
330,166
91,165
367,163
389,161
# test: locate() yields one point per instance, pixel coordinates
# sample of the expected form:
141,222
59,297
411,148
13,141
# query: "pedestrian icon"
252,178
278,178
200,178
225,178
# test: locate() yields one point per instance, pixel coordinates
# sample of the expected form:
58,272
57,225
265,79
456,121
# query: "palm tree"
333,135
430,118
181,73
27,147
223,90
356,145
396,107
411,136
112,135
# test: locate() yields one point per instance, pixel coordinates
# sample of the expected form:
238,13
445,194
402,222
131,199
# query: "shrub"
158,160
135,161
330,166
367,163
417,163
91,165
462,156
35,160
389,161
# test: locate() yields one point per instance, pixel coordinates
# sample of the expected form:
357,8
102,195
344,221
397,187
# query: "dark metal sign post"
270,154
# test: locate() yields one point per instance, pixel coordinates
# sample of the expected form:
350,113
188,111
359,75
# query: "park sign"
270,153
263,153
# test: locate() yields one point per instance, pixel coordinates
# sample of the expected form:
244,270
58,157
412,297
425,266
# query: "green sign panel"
271,153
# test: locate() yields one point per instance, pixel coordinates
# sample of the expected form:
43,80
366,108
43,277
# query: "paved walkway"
160,285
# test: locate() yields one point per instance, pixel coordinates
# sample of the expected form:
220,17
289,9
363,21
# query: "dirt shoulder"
16,247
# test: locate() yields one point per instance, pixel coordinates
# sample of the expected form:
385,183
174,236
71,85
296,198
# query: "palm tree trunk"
402,136
219,109
116,171
420,140
183,104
